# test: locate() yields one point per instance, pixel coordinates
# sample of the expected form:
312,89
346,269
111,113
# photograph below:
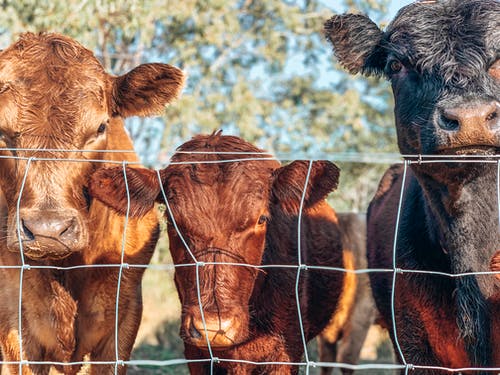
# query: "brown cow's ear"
495,264
146,90
289,181
356,43
108,186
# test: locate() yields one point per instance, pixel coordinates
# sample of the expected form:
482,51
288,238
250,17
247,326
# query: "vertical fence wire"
300,265
197,265
118,361
395,266
23,264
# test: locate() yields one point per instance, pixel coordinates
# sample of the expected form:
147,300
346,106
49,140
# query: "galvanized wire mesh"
300,267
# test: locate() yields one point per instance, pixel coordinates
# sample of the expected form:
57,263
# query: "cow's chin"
52,250
474,150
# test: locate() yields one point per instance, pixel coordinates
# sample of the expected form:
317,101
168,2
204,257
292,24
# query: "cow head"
442,59
55,96
221,209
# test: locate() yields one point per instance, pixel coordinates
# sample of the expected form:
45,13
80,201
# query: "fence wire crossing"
307,364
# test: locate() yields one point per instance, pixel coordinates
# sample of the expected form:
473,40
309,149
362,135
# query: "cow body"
442,60
56,96
243,212
342,340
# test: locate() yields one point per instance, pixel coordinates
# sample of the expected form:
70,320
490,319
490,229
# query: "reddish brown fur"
244,212
495,264
54,94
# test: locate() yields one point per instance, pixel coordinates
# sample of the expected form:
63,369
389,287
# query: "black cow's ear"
146,90
289,182
356,43
108,185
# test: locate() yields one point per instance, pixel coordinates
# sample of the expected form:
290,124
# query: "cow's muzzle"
221,332
47,234
472,127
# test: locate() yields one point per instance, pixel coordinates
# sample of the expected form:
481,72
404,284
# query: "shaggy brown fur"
54,94
243,212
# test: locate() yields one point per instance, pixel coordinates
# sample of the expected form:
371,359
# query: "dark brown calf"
54,96
243,212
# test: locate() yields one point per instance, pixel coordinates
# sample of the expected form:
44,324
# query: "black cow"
442,59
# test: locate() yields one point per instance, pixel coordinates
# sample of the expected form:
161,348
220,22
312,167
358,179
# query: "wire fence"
307,364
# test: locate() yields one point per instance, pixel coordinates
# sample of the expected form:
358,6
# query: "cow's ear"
108,185
146,90
356,43
289,182
495,264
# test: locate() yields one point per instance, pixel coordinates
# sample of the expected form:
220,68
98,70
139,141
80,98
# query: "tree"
258,69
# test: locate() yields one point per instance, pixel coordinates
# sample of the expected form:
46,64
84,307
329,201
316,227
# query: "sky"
394,5
295,62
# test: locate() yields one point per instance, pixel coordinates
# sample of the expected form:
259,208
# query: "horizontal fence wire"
300,267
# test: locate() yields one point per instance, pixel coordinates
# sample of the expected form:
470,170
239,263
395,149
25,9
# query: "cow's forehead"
51,86
52,56
245,176
451,37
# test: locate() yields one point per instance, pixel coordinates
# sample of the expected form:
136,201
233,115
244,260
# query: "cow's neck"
461,216
464,213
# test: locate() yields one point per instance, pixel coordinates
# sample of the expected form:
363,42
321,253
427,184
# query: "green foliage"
258,69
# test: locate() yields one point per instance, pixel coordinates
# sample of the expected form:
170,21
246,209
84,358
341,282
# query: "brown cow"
55,95
357,311
242,212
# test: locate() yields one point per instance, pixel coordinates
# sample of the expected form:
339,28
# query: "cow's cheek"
256,242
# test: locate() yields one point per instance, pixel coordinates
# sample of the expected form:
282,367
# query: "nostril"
27,233
67,229
492,116
446,123
195,334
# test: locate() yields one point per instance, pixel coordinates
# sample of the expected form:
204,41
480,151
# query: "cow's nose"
219,331
64,229
48,234
477,118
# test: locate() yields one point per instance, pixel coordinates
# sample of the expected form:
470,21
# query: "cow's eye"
262,219
102,128
394,66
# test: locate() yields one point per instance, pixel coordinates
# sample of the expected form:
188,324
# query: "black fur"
437,55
